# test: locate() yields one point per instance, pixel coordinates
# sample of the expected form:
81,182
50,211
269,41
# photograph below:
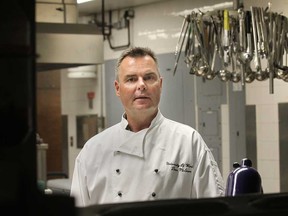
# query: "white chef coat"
168,160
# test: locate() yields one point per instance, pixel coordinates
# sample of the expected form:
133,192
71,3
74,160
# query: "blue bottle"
244,179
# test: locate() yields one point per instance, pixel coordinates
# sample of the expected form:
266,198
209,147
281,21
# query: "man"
146,156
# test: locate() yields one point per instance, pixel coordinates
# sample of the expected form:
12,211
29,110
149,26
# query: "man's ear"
116,85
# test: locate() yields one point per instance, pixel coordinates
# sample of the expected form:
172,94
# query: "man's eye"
131,79
149,77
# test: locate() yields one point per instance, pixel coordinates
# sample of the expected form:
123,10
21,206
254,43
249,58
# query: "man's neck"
139,122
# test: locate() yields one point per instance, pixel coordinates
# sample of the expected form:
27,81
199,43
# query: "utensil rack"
251,45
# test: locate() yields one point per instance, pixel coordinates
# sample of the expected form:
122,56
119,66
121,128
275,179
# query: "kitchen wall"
155,26
75,103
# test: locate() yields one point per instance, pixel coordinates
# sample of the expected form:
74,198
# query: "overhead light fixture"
83,1
82,72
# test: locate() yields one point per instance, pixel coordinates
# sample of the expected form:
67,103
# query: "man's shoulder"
172,126
178,125
103,136
107,132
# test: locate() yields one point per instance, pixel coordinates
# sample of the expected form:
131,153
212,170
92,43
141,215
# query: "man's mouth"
141,97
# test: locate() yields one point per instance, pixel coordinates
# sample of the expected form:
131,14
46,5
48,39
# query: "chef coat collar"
133,142
155,121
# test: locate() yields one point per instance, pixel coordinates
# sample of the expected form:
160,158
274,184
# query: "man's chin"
145,109
142,107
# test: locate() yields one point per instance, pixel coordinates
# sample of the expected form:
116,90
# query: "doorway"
50,121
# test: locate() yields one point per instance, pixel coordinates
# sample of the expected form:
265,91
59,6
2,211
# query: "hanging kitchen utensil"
250,45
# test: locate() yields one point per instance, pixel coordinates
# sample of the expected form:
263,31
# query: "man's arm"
78,186
208,181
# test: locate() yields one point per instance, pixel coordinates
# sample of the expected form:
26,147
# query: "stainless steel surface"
42,162
61,42
67,45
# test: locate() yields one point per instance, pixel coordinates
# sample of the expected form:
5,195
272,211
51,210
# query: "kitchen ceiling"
95,6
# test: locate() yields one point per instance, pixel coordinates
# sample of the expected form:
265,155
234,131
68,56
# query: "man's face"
139,85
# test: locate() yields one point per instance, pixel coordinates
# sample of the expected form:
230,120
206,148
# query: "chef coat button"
120,194
153,194
156,170
118,171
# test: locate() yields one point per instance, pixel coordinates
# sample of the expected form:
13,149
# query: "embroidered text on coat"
180,167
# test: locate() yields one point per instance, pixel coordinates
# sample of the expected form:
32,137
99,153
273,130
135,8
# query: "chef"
145,156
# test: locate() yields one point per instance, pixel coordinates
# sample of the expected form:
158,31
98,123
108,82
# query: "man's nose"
141,84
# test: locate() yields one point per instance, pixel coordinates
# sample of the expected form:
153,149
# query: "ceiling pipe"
127,23
127,16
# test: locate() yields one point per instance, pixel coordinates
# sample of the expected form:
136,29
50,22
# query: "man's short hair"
135,52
